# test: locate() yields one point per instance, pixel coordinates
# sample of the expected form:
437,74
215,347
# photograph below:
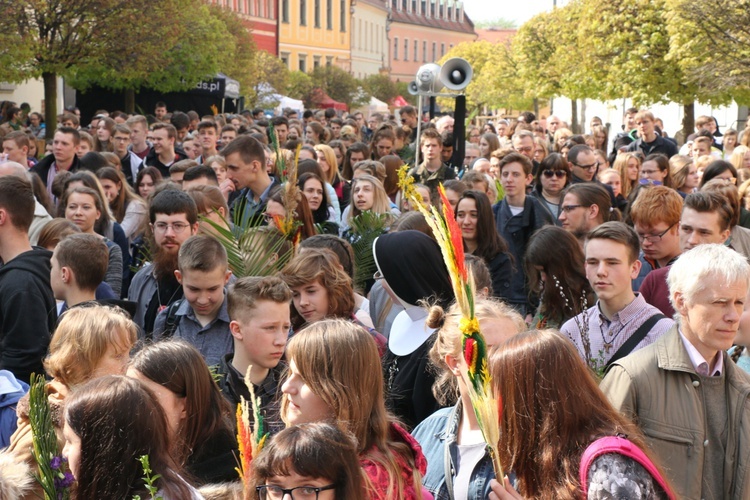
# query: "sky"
486,10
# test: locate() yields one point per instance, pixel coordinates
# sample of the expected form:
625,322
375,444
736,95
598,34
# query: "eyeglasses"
568,208
554,173
590,168
654,238
177,227
272,492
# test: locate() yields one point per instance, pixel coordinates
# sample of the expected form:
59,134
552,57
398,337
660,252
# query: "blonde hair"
621,165
82,338
448,340
381,203
333,166
340,363
738,156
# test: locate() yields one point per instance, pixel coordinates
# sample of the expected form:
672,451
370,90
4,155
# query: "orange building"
422,31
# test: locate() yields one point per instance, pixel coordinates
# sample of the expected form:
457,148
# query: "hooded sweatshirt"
27,313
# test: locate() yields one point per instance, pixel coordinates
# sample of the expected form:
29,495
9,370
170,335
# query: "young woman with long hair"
200,422
210,202
552,410
89,342
629,166
368,194
335,376
488,143
275,207
313,187
655,168
316,460
474,216
128,208
685,178
329,164
103,135
458,465
146,180
110,423
558,276
84,207
359,151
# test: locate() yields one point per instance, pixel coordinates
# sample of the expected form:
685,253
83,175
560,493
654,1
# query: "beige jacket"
659,389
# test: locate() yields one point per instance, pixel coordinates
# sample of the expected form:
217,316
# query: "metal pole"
419,130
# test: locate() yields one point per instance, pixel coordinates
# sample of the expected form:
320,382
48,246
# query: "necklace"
609,343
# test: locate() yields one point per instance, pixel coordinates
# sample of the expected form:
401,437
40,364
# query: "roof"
376,3
403,16
496,35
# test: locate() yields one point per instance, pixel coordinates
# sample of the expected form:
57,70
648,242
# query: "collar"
625,314
699,362
263,196
186,310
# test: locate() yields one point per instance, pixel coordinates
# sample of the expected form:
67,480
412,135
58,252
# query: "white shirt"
699,362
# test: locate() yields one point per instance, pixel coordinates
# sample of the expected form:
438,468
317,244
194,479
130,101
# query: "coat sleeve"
620,389
25,334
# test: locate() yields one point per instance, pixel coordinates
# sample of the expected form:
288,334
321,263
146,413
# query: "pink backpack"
622,446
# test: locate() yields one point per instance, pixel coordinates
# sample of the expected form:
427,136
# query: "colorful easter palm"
251,433
487,406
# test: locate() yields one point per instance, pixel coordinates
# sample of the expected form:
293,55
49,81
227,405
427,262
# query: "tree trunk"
50,102
688,119
536,108
574,116
129,95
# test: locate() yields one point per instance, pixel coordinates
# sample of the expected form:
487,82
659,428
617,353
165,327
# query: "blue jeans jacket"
437,437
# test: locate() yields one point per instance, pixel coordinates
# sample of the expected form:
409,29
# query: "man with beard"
174,218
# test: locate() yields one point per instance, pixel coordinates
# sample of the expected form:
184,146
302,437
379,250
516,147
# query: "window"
303,12
432,8
316,62
434,51
329,61
395,49
424,51
406,49
413,6
285,59
342,15
303,63
284,11
329,15
317,13
416,48
442,49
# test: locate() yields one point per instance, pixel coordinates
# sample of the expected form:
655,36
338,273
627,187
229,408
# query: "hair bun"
435,317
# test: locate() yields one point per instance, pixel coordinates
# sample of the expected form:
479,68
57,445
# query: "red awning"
399,102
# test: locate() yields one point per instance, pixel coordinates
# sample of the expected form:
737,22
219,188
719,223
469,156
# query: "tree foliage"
271,76
338,84
710,42
500,23
380,86
299,85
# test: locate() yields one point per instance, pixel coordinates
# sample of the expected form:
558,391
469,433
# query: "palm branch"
365,228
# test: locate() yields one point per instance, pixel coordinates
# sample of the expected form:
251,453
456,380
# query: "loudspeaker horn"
456,73
413,89
428,78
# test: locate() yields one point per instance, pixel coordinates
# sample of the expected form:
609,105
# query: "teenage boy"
246,168
27,306
517,216
260,323
79,265
432,171
174,218
201,318
621,322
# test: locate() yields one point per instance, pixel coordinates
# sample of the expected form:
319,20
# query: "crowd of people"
611,288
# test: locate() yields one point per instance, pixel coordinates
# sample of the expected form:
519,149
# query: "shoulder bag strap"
636,338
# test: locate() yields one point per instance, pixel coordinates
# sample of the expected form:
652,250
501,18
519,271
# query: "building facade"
423,31
369,40
313,33
260,18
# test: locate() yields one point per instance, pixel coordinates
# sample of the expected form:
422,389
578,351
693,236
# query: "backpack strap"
635,339
172,321
622,446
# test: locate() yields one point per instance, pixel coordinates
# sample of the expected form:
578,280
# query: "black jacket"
42,168
28,313
152,160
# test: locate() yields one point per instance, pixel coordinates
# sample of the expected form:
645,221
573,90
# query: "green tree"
711,44
476,54
200,45
299,86
270,76
498,85
49,38
380,86
500,23
338,84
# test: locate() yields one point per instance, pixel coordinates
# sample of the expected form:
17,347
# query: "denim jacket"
437,436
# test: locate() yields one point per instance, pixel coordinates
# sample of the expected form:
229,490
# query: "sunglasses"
554,173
